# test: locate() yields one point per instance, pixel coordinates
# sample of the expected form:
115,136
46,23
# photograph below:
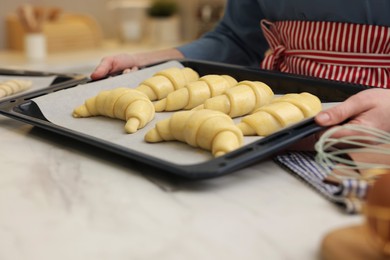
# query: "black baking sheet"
26,110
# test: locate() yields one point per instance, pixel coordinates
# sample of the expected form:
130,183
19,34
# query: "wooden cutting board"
350,243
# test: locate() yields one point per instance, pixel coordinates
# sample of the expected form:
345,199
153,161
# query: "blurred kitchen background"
78,33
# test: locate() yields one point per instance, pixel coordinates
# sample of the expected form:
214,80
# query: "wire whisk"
364,155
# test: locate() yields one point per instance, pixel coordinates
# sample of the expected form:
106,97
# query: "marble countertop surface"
61,199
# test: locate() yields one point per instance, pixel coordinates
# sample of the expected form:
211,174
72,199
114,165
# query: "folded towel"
348,194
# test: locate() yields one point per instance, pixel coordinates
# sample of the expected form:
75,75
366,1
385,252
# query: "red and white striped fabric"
354,53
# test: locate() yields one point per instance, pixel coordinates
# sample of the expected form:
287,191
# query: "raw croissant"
166,81
281,112
195,93
13,86
207,129
123,103
241,99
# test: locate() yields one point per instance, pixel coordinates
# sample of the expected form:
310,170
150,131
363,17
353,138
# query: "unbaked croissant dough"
166,81
123,103
281,112
241,99
13,86
195,93
207,129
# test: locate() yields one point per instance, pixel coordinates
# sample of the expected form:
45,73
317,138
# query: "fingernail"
323,117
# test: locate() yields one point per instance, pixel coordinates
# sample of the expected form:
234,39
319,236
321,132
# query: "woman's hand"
369,108
130,62
114,64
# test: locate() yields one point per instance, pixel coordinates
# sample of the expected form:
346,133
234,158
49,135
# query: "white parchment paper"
57,107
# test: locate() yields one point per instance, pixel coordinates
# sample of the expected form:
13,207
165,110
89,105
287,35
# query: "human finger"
351,107
103,69
128,70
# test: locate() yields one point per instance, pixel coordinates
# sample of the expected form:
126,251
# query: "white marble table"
60,199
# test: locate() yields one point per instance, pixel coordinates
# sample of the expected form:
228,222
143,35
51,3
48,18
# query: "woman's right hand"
368,108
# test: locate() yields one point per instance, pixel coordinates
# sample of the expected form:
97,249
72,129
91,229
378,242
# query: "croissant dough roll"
241,99
281,112
207,129
13,86
195,93
309,104
122,103
166,81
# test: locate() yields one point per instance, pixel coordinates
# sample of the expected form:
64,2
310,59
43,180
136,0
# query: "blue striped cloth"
348,195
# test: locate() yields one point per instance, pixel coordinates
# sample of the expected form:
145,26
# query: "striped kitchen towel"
347,194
